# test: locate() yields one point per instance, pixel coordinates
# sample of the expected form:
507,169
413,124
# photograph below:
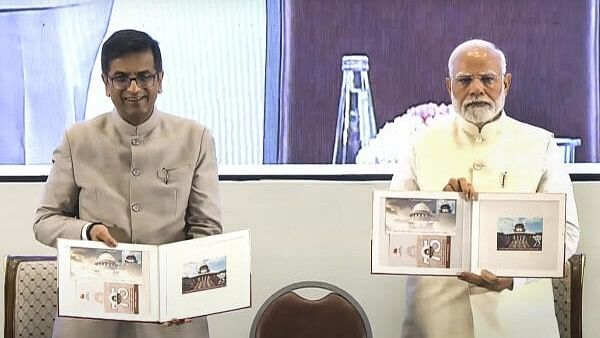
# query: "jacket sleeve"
56,216
203,214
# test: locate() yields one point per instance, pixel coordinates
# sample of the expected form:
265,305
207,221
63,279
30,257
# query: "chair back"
287,314
568,297
29,296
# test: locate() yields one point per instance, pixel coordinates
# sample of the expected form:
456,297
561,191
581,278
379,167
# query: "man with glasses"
133,175
482,149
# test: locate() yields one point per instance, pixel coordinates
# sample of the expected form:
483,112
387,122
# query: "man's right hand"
463,186
99,232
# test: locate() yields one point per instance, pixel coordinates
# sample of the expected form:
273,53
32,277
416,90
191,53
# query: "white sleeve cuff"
84,230
519,282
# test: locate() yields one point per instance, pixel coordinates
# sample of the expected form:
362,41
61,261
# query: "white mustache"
477,101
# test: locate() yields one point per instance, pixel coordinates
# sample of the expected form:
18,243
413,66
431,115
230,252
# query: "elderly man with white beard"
482,149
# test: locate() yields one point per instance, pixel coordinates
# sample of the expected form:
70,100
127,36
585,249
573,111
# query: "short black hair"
129,41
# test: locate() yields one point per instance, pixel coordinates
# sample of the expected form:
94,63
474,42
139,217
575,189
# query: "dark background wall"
551,47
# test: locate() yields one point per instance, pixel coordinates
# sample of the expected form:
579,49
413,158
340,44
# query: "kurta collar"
139,130
488,130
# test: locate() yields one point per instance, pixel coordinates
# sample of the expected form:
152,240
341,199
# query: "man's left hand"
487,280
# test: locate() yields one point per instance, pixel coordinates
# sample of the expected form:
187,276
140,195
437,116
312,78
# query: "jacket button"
136,141
478,166
478,138
136,172
136,207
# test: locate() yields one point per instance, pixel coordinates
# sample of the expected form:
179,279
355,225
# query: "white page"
521,235
96,281
474,238
467,235
205,275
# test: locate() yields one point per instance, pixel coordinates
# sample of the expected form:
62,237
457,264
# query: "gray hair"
476,43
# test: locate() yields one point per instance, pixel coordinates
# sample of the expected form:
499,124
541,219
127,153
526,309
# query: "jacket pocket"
515,180
175,185
173,173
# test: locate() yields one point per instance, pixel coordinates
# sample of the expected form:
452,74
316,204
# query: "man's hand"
177,322
487,280
463,186
99,232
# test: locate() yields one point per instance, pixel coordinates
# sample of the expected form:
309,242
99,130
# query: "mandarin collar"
488,129
139,130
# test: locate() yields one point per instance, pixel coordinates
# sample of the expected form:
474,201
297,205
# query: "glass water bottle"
356,119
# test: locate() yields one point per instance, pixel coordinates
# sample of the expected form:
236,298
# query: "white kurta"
527,159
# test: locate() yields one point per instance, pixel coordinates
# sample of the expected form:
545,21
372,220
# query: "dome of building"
203,269
105,257
131,259
445,208
420,210
519,227
106,260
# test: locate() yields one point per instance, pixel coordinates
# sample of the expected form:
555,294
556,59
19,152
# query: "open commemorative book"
154,283
440,233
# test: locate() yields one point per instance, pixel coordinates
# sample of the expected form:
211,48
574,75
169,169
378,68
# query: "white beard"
479,114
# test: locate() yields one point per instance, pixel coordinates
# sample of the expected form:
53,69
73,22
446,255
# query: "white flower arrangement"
393,139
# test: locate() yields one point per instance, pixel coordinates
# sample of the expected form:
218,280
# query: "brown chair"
287,314
29,296
567,297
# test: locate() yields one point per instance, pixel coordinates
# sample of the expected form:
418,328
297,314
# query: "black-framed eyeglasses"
488,80
143,80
